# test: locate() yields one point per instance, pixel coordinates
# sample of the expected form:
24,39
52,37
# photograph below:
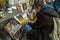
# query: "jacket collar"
47,6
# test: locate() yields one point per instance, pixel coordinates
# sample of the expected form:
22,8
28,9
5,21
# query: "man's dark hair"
38,3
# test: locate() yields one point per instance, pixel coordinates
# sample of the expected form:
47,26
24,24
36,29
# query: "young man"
44,24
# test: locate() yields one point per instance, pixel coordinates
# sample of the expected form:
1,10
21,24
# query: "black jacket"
45,19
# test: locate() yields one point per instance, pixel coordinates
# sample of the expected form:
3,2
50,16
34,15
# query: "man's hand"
29,21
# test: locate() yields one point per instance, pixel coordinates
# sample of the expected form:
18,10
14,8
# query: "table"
8,16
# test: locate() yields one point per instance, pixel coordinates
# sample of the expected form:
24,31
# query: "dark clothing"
43,21
44,25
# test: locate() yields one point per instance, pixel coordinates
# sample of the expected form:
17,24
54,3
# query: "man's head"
39,3
37,7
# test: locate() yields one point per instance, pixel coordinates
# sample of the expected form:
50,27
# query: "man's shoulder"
50,12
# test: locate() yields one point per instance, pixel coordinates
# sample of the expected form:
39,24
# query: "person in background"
57,5
44,24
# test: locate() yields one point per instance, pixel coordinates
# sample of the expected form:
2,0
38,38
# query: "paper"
25,15
10,11
9,8
14,7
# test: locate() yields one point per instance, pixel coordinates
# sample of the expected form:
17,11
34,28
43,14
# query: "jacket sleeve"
43,21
